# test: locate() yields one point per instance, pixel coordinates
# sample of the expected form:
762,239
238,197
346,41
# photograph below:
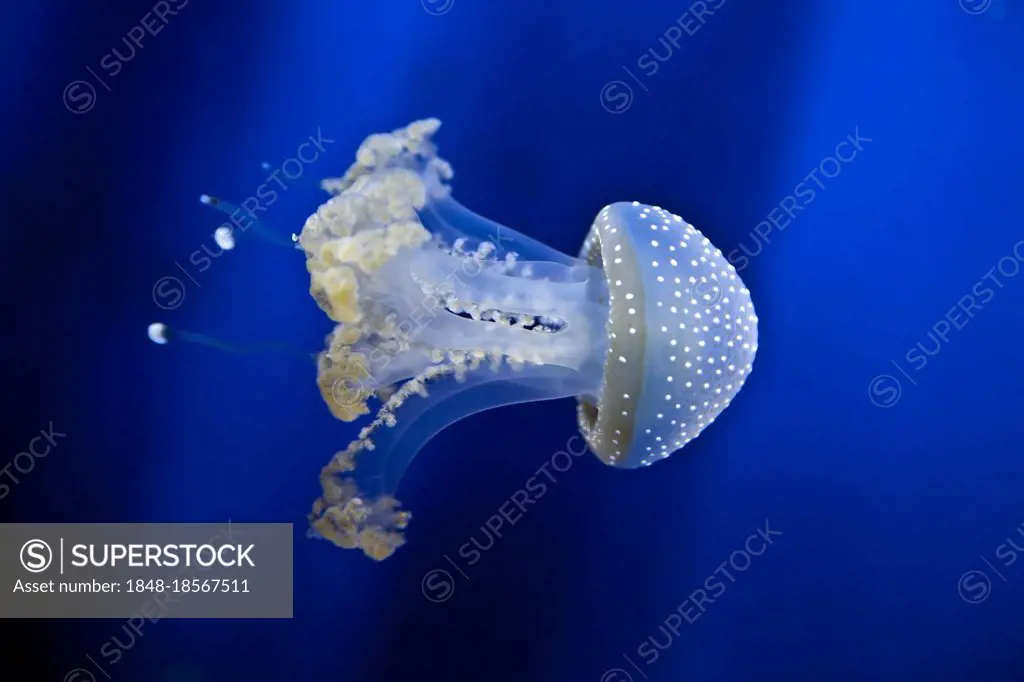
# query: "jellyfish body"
649,328
441,313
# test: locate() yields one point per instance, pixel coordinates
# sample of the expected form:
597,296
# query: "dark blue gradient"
890,469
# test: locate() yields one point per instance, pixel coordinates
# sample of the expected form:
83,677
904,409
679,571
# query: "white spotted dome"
682,334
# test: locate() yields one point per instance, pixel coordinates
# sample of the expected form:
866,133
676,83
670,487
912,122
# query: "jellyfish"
440,313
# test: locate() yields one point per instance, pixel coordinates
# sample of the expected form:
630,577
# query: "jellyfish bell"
682,335
650,328
441,313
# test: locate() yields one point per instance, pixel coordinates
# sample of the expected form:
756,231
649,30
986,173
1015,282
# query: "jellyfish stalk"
416,307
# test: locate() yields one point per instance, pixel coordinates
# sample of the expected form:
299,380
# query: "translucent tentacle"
225,233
